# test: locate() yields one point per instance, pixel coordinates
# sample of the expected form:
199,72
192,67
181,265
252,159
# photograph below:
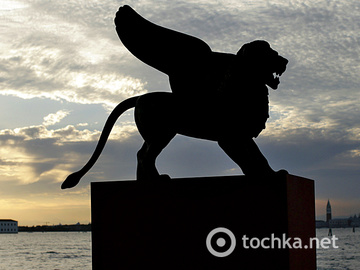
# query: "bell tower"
328,211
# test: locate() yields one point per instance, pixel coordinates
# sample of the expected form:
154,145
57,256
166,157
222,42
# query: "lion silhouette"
215,96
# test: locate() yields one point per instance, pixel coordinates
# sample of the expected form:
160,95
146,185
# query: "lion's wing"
164,49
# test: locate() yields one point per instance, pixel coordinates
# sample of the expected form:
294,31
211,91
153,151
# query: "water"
72,250
346,257
49,250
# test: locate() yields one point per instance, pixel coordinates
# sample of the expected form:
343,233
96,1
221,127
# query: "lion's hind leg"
146,157
153,118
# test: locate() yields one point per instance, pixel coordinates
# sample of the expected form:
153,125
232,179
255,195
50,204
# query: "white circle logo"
223,241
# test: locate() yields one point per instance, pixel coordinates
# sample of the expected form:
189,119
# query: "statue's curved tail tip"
72,180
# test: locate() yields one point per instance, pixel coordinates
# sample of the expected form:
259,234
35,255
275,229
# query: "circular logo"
220,242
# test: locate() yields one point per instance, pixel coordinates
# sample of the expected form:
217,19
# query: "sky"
63,69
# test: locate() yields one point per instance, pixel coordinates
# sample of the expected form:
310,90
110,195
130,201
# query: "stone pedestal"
168,225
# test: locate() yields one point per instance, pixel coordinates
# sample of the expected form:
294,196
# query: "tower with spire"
328,211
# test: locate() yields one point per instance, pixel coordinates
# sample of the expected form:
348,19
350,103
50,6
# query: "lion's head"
262,62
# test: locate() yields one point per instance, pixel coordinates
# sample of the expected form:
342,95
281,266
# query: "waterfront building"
354,221
337,222
321,224
328,212
8,226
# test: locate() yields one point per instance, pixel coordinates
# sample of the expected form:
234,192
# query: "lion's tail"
74,178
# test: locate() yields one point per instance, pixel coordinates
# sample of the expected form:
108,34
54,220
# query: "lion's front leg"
245,153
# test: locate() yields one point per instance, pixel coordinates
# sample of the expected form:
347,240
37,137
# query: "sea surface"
346,256
48,250
72,250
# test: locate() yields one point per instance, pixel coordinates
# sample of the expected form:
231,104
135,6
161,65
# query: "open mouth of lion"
273,79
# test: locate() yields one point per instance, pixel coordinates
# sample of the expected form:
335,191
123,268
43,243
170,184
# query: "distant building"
337,222
321,224
8,226
354,221
328,211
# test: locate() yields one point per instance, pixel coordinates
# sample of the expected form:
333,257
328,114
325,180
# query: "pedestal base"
166,225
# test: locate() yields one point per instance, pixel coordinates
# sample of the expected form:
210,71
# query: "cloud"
60,58
54,118
36,153
39,79
8,5
77,57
